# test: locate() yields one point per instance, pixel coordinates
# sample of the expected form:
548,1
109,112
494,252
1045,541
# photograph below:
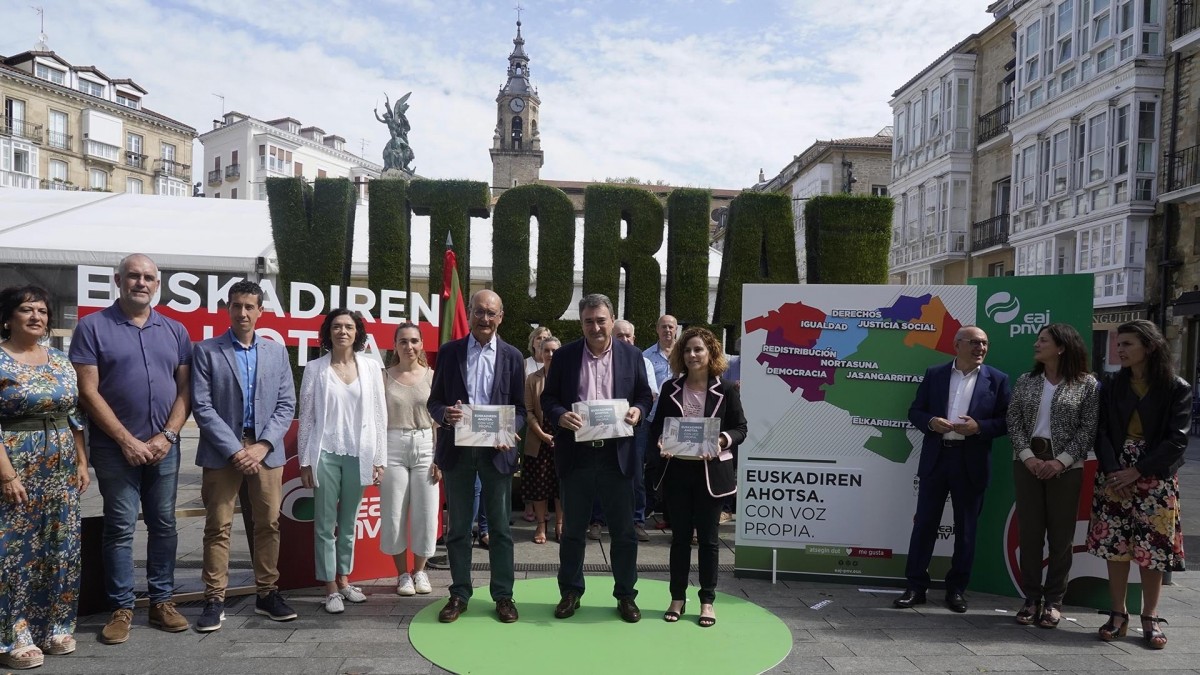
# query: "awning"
1187,304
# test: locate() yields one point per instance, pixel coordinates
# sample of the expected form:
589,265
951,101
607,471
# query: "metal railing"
1182,169
1189,18
135,159
57,139
993,123
20,128
58,184
214,177
233,172
169,167
990,232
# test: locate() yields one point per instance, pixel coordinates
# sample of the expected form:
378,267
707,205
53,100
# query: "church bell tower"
516,145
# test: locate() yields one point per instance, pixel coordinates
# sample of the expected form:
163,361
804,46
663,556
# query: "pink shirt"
595,375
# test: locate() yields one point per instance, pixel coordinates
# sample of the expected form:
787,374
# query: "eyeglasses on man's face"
485,314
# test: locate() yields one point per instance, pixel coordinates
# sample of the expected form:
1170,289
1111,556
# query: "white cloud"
693,93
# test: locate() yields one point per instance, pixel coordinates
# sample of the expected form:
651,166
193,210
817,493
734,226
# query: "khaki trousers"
218,490
1046,512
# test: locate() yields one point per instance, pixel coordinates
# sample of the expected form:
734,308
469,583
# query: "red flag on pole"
454,310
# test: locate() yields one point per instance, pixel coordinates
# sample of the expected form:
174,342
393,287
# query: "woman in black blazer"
1145,413
693,487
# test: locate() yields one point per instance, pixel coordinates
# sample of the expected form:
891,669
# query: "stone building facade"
859,166
69,127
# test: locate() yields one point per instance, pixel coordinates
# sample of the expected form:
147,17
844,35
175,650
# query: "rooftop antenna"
222,97
362,147
42,45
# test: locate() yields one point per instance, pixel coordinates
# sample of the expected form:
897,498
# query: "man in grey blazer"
244,401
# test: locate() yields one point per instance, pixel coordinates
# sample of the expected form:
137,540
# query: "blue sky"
694,93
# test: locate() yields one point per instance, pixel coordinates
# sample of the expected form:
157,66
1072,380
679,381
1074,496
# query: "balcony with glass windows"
135,159
19,176
233,172
274,165
1181,175
988,233
173,169
1187,27
993,123
214,177
10,126
936,250
1115,288
101,151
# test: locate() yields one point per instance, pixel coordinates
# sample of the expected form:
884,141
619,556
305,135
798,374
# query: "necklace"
346,372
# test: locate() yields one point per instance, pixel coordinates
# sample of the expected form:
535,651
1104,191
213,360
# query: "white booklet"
602,419
694,436
486,426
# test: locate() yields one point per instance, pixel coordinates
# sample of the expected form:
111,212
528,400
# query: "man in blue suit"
479,369
960,407
243,400
596,368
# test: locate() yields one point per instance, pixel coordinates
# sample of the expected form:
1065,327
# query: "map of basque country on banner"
827,476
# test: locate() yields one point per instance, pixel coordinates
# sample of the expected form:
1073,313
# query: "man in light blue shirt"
659,355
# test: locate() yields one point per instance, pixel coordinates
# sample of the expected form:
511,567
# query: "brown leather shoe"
567,606
116,630
506,610
164,616
628,610
454,607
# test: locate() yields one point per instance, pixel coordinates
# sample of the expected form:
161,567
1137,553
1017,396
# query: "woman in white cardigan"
342,446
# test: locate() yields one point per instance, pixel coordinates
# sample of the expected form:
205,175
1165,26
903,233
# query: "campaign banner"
827,475
198,302
1012,310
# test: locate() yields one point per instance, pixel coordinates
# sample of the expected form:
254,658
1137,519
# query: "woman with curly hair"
342,447
43,472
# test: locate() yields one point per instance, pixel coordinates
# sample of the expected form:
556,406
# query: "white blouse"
1041,428
370,435
343,415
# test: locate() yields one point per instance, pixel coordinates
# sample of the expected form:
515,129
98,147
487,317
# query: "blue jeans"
123,488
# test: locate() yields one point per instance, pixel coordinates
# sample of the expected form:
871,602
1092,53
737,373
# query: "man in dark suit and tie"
960,407
243,400
480,369
596,368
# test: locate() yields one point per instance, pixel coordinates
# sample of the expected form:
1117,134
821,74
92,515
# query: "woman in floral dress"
1145,413
43,471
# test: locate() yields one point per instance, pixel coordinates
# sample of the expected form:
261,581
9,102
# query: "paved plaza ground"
855,631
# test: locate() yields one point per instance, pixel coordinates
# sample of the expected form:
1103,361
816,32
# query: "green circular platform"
746,639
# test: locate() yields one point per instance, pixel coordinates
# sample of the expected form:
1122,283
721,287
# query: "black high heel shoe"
707,621
672,617
1110,631
1154,638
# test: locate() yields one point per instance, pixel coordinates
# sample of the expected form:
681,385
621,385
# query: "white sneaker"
333,603
352,593
421,582
405,587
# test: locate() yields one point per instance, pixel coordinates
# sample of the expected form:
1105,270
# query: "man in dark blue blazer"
596,368
479,369
960,407
243,400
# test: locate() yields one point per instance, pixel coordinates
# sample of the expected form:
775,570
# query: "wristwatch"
171,436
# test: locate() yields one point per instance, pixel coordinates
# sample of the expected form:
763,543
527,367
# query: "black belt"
953,444
595,444
1042,447
248,434
43,422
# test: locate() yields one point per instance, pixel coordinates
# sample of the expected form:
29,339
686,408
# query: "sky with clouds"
698,93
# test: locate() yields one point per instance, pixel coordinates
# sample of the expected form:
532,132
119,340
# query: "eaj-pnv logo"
1003,308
